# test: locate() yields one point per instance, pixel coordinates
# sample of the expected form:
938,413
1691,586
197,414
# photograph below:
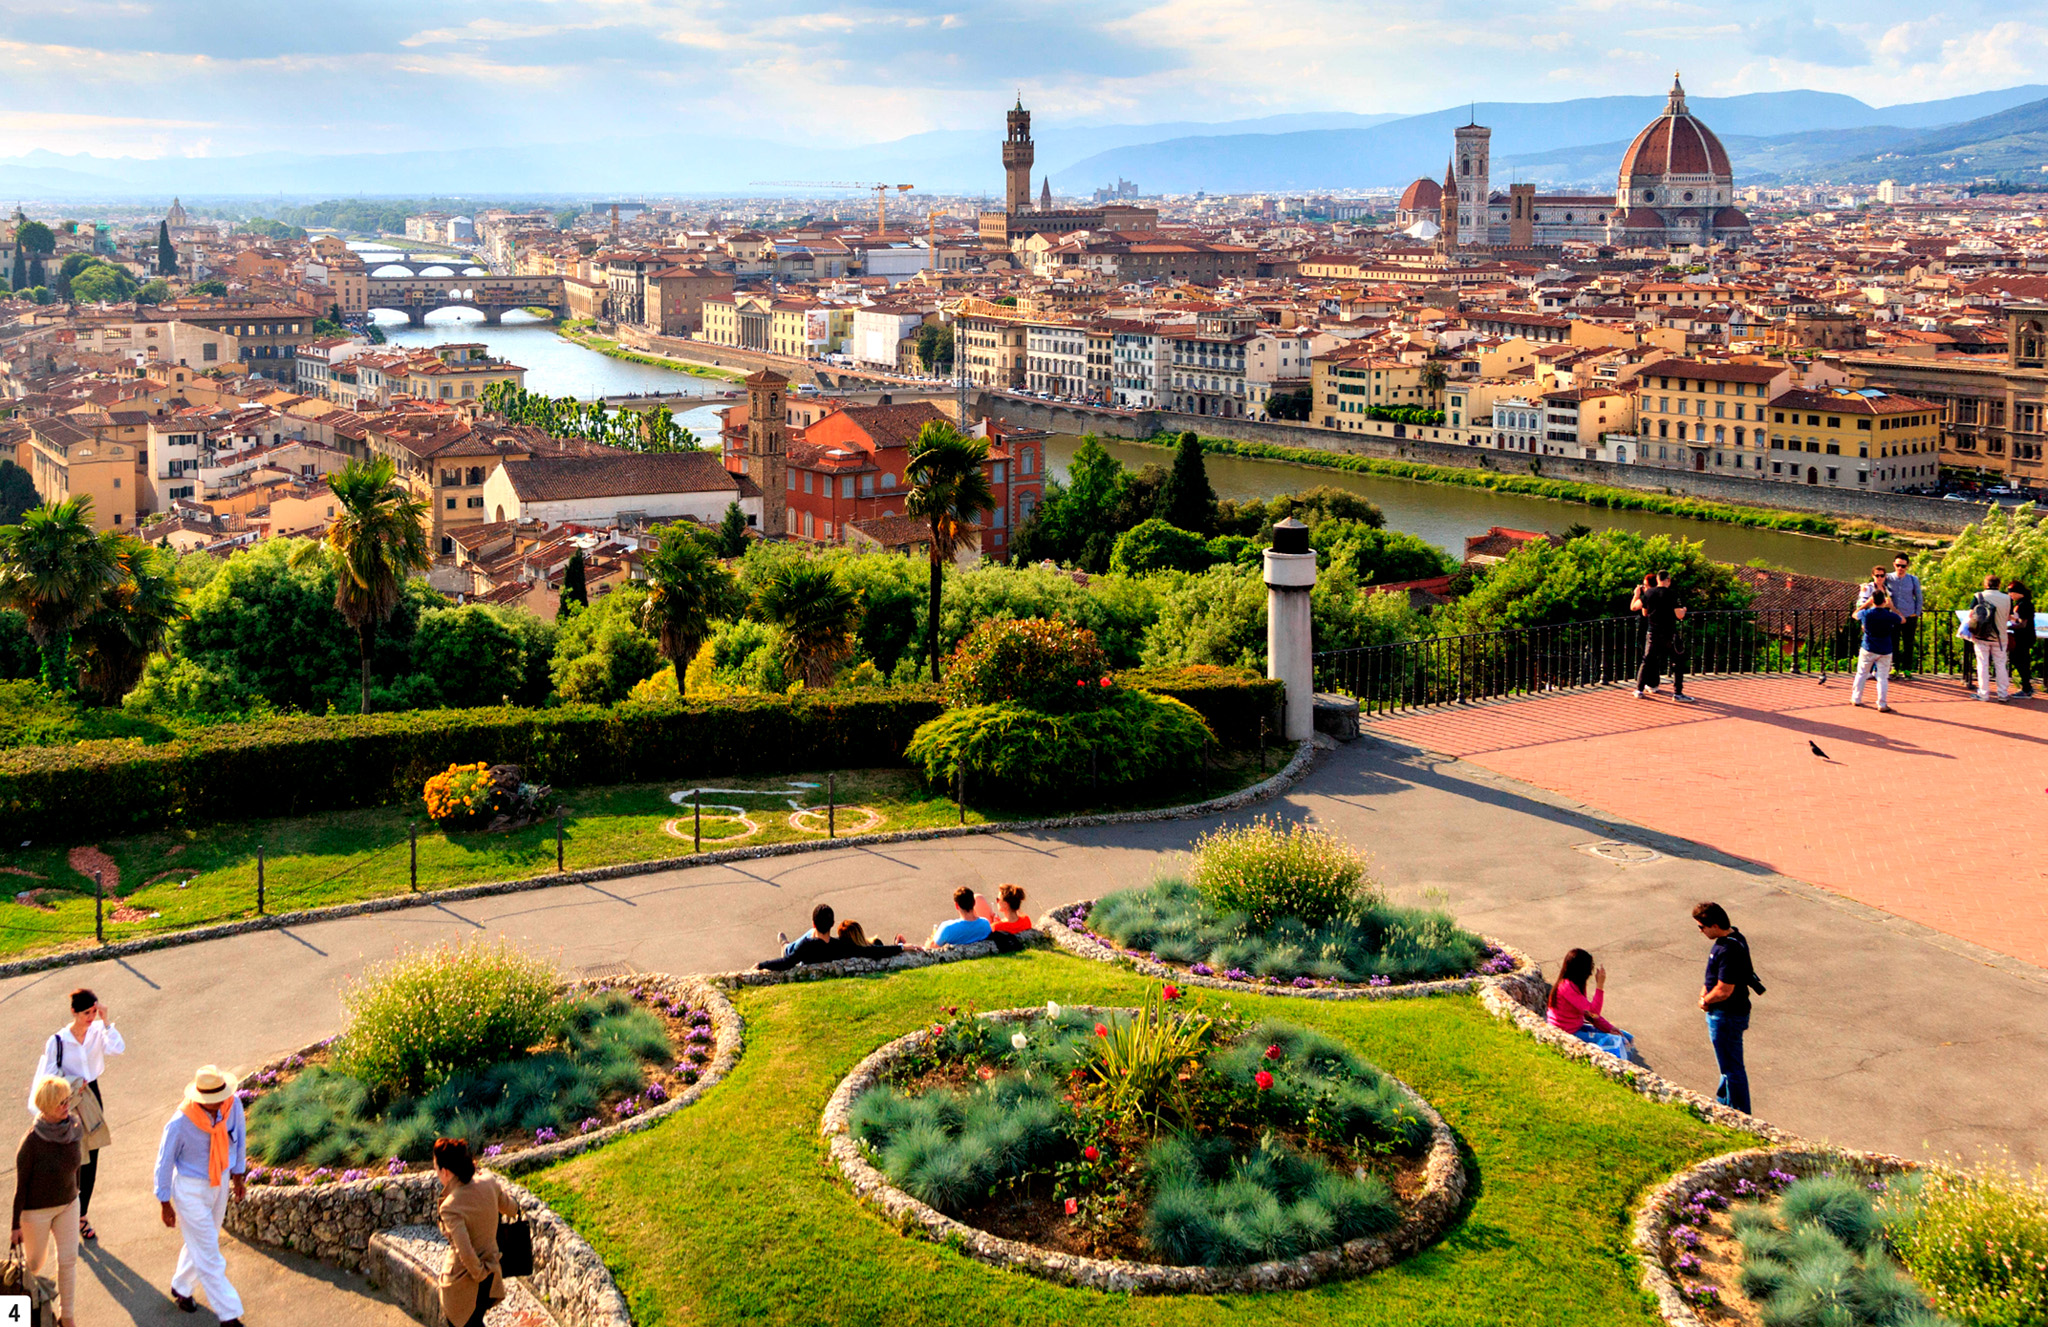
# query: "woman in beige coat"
470,1207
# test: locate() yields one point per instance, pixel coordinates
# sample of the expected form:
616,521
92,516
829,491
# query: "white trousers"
1990,656
1870,665
200,1207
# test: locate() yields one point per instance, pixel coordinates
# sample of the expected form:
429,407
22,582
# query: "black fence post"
558,840
960,795
412,834
831,805
697,834
259,880
99,909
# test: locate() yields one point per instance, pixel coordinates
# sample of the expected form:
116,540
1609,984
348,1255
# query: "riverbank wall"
1400,442
718,357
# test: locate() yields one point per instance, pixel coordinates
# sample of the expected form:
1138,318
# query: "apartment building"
1993,409
1862,438
66,461
1705,415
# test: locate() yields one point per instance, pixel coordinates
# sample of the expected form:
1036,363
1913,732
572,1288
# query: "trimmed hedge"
302,765
1231,700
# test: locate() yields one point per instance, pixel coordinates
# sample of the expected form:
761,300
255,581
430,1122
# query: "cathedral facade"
1674,188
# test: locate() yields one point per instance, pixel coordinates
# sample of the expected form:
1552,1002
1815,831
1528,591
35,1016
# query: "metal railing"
1451,670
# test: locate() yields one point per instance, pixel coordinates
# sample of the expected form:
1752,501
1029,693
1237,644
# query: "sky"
153,78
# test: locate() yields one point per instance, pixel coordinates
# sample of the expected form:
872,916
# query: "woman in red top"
1572,1010
1010,916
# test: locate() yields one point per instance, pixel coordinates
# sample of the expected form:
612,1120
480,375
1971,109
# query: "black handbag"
515,1248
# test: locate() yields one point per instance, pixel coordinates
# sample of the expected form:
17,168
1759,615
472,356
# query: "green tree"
133,619
376,541
575,586
56,569
18,279
166,253
1378,556
732,532
73,264
1186,499
153,291
602,653
949,492
482,654
2011,543
1590,577
817,613
210,288
1218,617
1155,545
567,217
33,237
935,348
1434,378
17,492
1294,405
687,590
102,283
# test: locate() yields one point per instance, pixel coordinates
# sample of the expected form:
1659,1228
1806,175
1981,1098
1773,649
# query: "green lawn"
193,877
732,1212
579,333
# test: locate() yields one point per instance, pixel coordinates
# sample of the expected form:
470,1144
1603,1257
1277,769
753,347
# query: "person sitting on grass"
1009,918
1571,1010
966,929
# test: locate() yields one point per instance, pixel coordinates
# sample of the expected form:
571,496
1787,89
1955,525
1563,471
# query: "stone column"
1290,574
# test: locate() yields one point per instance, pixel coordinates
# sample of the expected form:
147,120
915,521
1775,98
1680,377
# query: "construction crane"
881,193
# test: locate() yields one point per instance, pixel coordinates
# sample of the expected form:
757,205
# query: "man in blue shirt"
1880,637
1724,996
966,929
205,1143
1904,588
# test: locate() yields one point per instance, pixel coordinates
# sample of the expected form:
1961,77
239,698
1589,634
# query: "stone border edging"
1503,1004
1288,775
1658,1212
1426,1219
333,1222
1085,946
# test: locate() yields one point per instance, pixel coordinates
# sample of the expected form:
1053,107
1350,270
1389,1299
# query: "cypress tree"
732,532
1186,500
19,280
166,256
575,590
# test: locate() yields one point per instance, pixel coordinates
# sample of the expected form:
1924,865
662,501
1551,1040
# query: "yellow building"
1850,438
1346,388
456,372
1707,415
66,461
992,337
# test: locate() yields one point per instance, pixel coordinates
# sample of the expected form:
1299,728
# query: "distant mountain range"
1772,137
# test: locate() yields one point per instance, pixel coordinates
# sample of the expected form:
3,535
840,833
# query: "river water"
1445,514
1441,513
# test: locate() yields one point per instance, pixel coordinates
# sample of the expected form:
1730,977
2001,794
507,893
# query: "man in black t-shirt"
1658,602
1724,995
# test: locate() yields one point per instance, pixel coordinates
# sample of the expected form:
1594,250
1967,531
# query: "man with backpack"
1724,996
1984,626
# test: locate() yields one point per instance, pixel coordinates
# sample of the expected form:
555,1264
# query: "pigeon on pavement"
1815,747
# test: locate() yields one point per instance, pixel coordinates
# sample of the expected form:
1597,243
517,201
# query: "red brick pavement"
1938,813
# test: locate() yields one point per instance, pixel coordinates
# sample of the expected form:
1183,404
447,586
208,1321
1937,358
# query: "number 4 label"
16,1309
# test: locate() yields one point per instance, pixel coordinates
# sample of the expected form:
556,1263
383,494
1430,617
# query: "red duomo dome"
1676,185
1675,143
1422,196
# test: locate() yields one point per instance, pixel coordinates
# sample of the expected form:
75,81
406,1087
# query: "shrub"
1267,873
1216,1206
1232,701
1042,663
1977,1245
1012,751
460,796
417,1020
1156,545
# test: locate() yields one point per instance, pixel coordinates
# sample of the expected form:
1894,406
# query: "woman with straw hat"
205,1143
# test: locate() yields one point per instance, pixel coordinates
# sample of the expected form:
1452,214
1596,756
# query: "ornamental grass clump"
1976,1242
1818,1258
414,1021
1218,1204
1268,873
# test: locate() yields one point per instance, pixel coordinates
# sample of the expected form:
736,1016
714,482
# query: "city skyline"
119,78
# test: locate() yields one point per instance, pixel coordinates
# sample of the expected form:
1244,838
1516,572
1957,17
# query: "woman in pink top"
1571,1010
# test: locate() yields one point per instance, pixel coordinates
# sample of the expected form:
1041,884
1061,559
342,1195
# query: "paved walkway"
1876,1032
1938,813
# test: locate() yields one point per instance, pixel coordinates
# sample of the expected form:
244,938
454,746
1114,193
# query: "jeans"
1870,665
1617,1043
1725,1031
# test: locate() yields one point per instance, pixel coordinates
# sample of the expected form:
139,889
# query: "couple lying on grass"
976,921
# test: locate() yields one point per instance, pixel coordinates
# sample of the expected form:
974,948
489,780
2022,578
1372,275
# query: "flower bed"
1166,1149
363,1142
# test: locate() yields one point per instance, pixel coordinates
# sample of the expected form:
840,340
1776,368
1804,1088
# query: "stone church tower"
767,448
1018,154
1045,196
1475,142
1447,223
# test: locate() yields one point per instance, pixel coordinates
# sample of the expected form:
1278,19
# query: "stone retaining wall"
1659,1212
1426,1218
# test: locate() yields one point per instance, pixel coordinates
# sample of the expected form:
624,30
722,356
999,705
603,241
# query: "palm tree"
54,567
133,620
376,542
687,590
817,613
949,490
1433,380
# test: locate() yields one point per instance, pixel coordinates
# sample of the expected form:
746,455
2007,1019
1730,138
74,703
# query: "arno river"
1440,513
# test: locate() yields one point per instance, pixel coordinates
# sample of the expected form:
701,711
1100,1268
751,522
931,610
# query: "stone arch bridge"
492,296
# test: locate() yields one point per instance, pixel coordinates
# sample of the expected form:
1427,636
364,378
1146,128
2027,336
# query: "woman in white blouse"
79,1050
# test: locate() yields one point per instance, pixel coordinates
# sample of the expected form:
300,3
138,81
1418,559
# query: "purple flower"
1303,983
1202,970
656,1092
1687,1263
295,1062
1695,1211
1709,1198
1685,1235
1744,1189
688,1073
700,1034
267,1076
350,1176
395,1166
1704,1294
1876,1186
1380,979
258,1174
627,1107
700,1016
321,1174
1499,963
245,1095
544,1135
1237,974
1779,1177
587,1125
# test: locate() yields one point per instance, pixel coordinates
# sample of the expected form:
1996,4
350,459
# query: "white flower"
1052,1009
1019,1040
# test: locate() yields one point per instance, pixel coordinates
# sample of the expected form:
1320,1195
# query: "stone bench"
406,1263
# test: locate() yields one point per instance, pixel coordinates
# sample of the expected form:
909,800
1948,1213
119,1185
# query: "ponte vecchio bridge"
429,284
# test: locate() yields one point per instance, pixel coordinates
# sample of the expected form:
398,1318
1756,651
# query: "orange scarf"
216,1131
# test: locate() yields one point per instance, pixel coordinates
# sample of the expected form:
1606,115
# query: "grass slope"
732,1213
577,333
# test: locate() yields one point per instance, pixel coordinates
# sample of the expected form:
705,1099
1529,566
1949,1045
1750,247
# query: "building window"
451,504
789,480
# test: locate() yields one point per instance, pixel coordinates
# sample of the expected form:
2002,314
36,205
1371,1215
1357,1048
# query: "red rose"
1273,1052
1101,1030
1105,680
1091,1152
1080,681
1072,1207
1263,1079
1171,992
